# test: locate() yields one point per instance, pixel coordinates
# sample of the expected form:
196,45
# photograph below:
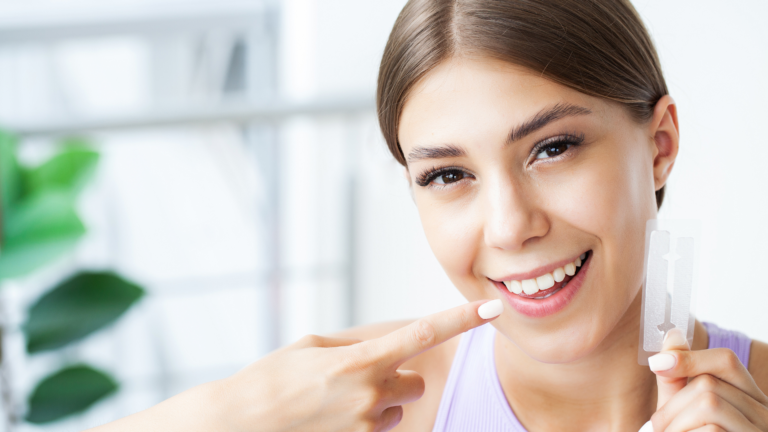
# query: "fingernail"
489,310
661,362
675,337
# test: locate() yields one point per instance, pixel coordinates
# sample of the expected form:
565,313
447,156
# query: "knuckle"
730,359
464,318
424,333
709,401
705,383
685,362
310,340
346,366
369,400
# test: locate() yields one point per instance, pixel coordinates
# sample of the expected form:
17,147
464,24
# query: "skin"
511,213
505,211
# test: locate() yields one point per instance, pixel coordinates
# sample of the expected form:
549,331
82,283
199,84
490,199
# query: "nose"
512,216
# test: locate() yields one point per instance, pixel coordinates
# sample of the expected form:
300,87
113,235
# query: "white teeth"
546,281
514,286
559,274
530,286
570,269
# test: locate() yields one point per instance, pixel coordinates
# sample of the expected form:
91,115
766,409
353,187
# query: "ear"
666,138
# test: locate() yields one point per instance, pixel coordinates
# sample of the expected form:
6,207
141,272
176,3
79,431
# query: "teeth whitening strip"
671,257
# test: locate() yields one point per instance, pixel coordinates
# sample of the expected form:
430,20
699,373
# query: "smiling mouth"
547,284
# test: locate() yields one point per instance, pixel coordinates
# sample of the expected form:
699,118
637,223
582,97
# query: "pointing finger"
397,347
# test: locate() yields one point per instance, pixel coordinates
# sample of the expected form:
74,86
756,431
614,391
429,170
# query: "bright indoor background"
245,184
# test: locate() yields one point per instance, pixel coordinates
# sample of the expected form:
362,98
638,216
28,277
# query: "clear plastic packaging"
669,287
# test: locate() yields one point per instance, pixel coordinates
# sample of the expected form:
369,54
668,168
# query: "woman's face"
515,177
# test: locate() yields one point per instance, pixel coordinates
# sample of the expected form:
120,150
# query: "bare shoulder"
758,364
433,365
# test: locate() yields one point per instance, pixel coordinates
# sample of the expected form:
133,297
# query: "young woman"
537,136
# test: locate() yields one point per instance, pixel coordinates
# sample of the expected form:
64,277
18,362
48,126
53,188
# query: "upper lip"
538,271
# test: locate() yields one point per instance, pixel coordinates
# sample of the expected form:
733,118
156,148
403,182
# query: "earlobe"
666,138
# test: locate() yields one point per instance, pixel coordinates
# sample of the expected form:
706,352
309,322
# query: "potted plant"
39,224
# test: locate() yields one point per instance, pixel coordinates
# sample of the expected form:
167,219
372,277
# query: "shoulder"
758,364
433,365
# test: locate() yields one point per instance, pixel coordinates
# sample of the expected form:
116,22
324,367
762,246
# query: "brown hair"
597,47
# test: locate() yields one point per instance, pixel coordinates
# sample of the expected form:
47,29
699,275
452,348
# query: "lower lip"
552,304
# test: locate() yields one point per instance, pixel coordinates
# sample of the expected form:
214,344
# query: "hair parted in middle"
597,47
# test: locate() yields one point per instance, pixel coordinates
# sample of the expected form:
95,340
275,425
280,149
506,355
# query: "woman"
537,137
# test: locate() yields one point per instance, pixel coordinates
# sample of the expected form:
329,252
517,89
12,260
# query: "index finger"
397,347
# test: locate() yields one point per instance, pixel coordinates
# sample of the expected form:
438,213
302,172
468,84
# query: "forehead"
479,99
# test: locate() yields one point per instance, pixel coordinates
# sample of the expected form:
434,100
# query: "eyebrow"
538,121
545,117
444,151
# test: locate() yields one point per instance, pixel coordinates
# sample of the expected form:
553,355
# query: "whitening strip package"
671,257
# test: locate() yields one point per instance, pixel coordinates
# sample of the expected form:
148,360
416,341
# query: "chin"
567,345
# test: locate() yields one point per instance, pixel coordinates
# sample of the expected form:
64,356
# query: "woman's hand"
334,384
708,390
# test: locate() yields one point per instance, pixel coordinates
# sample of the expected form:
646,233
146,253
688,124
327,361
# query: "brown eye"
552,150
449,177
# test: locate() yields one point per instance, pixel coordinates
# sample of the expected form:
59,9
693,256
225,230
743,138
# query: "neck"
607,390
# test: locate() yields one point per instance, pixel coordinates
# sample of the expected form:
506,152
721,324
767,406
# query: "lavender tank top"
474,401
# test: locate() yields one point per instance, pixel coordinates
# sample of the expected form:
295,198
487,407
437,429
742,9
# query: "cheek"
614,201
452,232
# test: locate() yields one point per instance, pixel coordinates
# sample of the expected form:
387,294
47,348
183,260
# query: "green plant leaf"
38,230
76,308
67,171
69,391
9,174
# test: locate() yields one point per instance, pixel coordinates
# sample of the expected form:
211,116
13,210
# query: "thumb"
668,387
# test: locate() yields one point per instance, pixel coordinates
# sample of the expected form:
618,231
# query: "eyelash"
424,179
569,139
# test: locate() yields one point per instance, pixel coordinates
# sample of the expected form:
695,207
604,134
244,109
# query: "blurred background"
244,196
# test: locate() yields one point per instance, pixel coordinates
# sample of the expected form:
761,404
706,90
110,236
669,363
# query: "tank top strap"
447,399
738,342
473,398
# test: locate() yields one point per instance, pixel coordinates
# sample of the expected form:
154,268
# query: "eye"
557,146
552,150
447,177
440,177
